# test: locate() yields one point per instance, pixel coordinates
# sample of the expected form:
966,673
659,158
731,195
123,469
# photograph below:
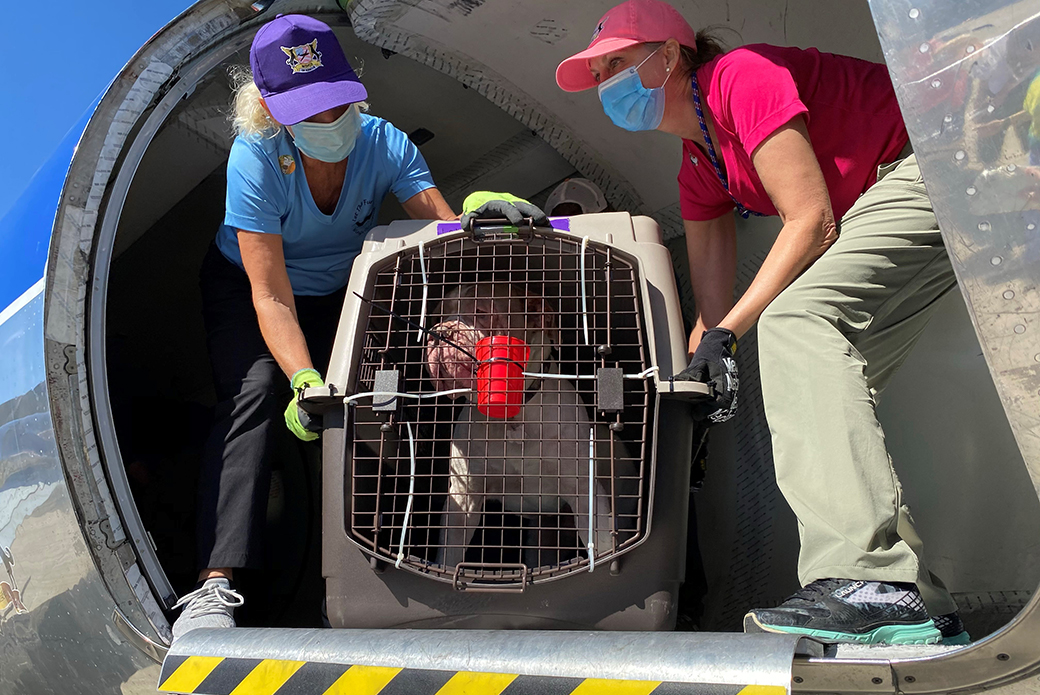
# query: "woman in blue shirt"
307,174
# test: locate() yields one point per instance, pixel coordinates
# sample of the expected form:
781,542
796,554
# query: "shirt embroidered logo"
287,164
360,224
303,58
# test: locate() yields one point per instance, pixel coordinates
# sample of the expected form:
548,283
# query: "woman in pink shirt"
852,278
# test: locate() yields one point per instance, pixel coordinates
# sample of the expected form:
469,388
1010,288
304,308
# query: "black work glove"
715,363
486,205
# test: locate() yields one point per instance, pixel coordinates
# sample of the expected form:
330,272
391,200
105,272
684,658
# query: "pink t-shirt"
849,105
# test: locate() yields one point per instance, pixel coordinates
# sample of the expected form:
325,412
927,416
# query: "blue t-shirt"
267,192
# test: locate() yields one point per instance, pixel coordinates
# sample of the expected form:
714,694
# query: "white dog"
536,461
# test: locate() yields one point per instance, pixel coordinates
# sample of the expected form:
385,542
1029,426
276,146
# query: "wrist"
718,342
729,333
308,376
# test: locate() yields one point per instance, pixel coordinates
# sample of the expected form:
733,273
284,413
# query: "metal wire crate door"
439,488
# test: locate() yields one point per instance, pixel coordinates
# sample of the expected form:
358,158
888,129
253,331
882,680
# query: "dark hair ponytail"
709,47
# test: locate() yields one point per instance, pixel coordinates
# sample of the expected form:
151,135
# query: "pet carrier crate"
558,502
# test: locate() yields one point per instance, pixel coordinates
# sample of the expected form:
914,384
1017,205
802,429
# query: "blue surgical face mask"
631,105
329,142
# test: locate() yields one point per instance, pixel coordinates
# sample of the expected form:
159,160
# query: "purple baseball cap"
300,69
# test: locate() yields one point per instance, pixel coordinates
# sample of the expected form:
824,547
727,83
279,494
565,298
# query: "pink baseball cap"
628,24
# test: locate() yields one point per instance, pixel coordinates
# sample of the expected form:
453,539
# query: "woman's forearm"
797,246
709,313
711,248
282,333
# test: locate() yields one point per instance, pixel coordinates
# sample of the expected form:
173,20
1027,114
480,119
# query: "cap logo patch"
303,58
599,28
287,164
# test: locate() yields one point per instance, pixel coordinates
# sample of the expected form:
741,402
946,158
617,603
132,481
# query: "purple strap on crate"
561,223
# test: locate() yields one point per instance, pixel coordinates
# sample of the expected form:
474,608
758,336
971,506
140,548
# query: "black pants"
252,393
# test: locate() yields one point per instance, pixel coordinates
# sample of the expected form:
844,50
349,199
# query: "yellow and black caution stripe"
214,675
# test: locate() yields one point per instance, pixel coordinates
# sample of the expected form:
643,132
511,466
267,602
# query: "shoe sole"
961,638
921,633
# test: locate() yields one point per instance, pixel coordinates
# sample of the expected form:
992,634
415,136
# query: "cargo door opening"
161,392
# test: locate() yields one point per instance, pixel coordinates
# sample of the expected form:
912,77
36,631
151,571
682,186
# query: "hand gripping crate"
571,513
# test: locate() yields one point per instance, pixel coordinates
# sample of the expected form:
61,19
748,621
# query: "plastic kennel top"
500,392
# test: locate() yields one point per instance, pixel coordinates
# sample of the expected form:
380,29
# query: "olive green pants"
827,345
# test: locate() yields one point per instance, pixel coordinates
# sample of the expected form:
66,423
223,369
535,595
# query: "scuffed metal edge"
66,306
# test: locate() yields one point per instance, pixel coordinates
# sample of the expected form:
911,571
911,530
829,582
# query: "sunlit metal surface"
157,652
703,658
961,72
54,609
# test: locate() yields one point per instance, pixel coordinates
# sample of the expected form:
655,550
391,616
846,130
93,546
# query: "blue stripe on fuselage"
25,231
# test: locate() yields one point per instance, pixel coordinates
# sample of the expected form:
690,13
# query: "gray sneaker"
847,610
212,605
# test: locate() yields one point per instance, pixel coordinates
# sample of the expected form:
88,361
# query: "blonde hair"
249,117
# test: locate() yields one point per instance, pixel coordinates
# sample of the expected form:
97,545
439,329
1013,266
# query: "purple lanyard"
744,212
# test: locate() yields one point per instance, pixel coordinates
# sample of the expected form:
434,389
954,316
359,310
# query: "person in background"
307,174
575,197
818,140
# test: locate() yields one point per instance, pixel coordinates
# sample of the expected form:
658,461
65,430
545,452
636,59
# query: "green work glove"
489,205
300,422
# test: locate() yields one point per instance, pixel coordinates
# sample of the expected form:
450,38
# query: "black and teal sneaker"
952,629
845,610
